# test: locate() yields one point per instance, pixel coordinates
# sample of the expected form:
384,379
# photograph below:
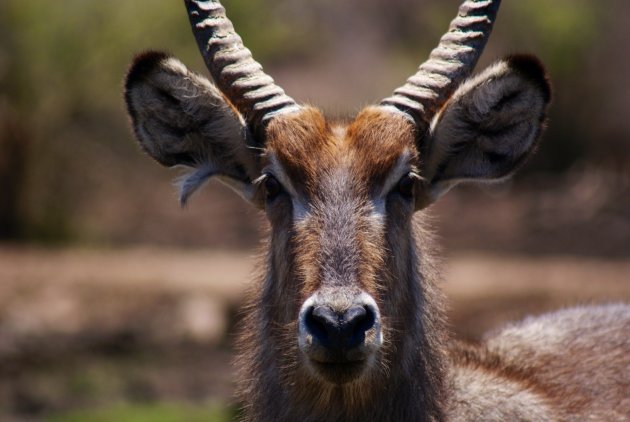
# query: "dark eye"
273,188
406,186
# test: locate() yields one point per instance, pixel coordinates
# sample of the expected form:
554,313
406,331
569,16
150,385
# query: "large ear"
181,118
489,126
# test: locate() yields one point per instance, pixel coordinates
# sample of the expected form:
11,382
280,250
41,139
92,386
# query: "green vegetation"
158,412
61,71
564,30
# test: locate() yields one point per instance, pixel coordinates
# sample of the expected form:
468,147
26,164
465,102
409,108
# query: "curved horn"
449,63
232,66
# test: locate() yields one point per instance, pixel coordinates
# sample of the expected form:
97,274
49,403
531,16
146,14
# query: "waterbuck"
345,322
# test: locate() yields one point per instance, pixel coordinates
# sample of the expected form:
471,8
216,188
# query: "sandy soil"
54,286
82,327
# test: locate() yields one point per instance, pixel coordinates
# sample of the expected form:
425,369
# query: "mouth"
339,372
339,344
338,366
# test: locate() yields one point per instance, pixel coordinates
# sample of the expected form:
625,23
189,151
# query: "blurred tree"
61,65
14,137
65,150
564,34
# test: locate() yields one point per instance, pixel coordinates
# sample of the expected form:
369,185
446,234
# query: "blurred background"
117,305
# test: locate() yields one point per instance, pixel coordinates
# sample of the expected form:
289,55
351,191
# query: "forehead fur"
377,138
307,146
303,143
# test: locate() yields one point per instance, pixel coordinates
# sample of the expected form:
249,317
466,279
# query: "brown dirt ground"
82,327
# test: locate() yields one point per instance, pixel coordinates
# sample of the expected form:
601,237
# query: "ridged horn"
449,63
232,66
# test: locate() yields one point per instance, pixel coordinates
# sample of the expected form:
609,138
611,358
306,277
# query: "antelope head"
345,289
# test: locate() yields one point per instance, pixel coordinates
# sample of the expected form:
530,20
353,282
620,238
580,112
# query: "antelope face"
338,198
342,288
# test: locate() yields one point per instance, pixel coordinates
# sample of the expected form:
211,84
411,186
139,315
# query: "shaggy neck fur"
409,382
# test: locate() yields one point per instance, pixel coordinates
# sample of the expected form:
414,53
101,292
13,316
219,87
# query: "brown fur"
417,377
342,228
277,384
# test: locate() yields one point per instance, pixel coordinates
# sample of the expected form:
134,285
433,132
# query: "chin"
341,372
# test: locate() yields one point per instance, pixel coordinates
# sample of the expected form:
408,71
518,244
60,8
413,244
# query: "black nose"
339,331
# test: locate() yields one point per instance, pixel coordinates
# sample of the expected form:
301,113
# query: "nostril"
325,316
321,322
357,320
361,318
339,330
355,317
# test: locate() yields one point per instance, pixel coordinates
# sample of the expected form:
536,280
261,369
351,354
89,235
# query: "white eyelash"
260,179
